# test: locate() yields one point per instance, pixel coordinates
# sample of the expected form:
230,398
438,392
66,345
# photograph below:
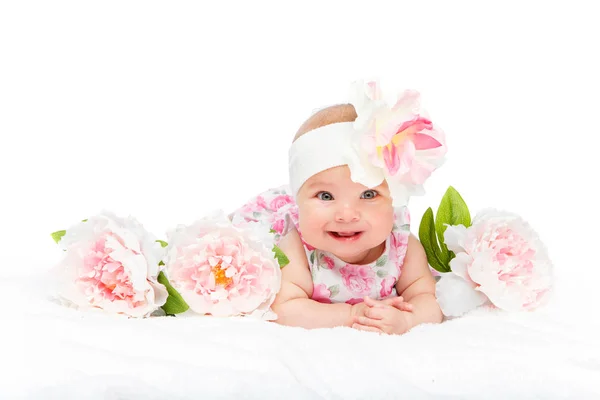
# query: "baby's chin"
357,258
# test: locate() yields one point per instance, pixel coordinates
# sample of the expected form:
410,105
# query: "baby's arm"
417,286
293,304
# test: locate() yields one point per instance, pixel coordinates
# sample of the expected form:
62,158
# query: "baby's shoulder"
292,246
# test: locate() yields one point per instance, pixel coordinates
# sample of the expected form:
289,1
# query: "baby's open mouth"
345,235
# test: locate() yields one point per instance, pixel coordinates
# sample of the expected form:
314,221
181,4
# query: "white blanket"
53,352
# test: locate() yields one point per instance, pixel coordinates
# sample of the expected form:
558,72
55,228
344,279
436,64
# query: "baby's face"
343,217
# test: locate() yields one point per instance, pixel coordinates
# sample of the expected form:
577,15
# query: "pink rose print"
399,240
260,202
321,293
281,201
293,211
399,245
387,285
358,278
354,301
256,205
328,262
277,220
278,225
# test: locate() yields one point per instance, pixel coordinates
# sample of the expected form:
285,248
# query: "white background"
169,110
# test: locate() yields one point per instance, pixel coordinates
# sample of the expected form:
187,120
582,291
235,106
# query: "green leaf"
162,243
382,273
452,211
381,261
175,303
58,235
312,257
272,230
428,239
335,290
281,257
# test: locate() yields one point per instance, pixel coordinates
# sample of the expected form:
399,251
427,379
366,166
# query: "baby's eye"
368,194
326,196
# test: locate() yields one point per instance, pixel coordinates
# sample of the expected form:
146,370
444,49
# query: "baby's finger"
366,328
373,303
375,323
392,300
374,312
402,305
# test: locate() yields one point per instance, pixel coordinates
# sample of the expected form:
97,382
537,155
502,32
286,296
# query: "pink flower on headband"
399,143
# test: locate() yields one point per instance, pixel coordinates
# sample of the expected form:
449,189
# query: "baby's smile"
345,236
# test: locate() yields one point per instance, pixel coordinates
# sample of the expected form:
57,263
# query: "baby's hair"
326,116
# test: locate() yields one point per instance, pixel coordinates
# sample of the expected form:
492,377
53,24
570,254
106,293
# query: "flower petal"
454,238
457,296
424,142
362,171
460,265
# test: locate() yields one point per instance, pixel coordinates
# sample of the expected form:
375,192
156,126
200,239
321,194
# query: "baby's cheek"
309,226
382,222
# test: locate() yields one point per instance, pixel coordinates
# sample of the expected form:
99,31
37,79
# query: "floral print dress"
334,281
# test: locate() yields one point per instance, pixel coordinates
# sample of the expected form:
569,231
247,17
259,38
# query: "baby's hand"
383,318
358,309
399,303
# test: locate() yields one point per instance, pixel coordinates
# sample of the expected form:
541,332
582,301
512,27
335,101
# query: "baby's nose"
347,214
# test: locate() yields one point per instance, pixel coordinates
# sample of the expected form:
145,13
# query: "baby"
344,223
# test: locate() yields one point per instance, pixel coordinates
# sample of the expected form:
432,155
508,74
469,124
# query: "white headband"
320,149
397,144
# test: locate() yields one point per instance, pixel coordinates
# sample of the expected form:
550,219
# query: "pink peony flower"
321,293
387,285
224,269
111,264
358,278
395,134
499,258
400,142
